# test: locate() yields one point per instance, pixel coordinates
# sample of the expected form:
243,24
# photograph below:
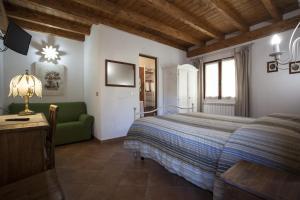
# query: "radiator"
219,108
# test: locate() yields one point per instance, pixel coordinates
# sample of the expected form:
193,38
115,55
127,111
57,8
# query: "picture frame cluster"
294,67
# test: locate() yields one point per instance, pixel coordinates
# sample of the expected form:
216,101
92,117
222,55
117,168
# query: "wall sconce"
293,50
292,53
275,42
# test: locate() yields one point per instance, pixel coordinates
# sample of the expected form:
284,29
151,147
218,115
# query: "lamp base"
26,112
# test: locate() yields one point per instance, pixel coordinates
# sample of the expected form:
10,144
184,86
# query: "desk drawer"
21,154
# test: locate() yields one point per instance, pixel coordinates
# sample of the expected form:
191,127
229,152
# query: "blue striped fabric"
196,139
211,144
273,141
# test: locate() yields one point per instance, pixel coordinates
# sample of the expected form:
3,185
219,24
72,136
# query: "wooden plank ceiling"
183,24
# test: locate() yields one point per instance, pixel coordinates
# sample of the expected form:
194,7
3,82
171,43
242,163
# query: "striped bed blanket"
187,144
200,147
273,141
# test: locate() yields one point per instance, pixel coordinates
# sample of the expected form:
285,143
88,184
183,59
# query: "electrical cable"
2,38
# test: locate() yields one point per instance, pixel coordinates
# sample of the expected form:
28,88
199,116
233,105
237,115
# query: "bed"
200,147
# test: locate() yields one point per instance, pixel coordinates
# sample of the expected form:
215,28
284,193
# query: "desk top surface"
263,182
36,121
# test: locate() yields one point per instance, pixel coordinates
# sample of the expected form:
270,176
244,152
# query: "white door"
182,86
187,86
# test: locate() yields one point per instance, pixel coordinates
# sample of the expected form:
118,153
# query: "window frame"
219,61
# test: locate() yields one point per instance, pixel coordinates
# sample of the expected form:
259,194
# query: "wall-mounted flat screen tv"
17,39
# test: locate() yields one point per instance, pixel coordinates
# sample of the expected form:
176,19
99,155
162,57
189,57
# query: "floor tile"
94,171
166,193
73,191
76,176
134,178
162,179
97,192
129,193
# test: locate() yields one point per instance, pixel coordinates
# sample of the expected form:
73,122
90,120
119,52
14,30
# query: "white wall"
113,108
15,64
272,92
269,92
92,80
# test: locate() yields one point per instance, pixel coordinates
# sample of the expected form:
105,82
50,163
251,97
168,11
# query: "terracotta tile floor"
90,170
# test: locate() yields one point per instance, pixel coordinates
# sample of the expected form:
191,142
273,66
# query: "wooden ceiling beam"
69,7
272,9
32,16
47,29
141,33
50,11
64,9
186,18
124,14
233,16
280,26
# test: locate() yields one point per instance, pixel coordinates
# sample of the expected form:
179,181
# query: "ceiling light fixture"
50,53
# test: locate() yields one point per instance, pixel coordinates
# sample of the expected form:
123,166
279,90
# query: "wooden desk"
22,147
249,181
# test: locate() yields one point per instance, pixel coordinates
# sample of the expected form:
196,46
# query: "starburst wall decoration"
48,50
50,53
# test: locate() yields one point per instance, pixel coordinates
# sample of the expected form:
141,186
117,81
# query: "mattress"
200,147
188,144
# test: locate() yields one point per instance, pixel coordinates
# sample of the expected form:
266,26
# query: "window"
219,79
212,80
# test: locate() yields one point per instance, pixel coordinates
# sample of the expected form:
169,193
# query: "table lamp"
25,86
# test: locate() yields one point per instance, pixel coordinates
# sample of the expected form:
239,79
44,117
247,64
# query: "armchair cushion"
78,132
86,119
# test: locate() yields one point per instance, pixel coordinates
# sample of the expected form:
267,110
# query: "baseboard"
86,140
118,139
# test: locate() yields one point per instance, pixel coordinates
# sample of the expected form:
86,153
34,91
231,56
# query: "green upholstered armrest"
86,119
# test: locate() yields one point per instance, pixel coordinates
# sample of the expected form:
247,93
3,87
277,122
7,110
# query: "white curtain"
198,63
242,57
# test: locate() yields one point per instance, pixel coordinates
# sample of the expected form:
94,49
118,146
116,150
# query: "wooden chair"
50,145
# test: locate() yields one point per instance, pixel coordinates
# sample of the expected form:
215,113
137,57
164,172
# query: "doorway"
148,83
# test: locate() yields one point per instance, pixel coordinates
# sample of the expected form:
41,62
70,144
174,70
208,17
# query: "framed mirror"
119,74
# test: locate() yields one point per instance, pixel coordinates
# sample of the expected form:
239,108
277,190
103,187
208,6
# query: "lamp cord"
2,38
5,47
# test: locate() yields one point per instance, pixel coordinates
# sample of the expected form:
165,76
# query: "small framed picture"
294,67
272,66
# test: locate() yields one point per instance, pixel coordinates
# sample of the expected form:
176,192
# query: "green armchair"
73,122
